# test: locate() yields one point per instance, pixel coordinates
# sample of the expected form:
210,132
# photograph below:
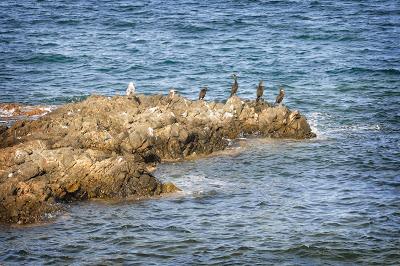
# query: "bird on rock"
202,93
260,90
280,96
235,85
130,91
171,93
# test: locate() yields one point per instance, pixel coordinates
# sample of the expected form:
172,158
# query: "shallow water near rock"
330,200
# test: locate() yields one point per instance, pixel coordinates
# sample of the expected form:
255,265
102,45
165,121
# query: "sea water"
332,200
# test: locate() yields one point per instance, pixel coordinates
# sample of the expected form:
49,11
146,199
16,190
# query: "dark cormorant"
235,85
280,96
202,93
260,90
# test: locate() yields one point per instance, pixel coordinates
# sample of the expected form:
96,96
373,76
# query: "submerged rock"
107,147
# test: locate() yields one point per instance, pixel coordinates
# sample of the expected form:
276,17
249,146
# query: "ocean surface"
332,200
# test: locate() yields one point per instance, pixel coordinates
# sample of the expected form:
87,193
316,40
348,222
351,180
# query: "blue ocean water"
332,200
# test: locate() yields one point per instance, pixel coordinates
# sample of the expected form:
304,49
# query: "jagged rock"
169,187
107,147
3,128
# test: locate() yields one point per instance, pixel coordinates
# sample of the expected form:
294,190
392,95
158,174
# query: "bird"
171,93
280,96
235,85
130,91
260,90
202,93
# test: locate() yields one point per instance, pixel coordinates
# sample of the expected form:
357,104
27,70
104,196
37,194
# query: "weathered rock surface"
107,147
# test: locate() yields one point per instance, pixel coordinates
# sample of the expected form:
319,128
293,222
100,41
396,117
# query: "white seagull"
171,93
130,91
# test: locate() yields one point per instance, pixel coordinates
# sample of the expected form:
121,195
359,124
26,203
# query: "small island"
108,147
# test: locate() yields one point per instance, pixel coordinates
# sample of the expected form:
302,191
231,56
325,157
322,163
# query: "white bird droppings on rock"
153,109
228,115
150,131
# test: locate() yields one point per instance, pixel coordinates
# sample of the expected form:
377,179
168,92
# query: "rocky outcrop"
18,111
108,147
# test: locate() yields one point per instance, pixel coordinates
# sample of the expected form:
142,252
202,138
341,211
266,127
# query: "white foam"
314,120
7,113
325,127
195,184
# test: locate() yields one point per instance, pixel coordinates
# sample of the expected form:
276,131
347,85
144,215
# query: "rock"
3,128
234,105
14,110
169,188
107,147
73,187
174,131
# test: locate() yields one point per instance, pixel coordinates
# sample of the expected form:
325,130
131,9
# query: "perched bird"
235,85
130,91
171,93
202,93
280,96
260,90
